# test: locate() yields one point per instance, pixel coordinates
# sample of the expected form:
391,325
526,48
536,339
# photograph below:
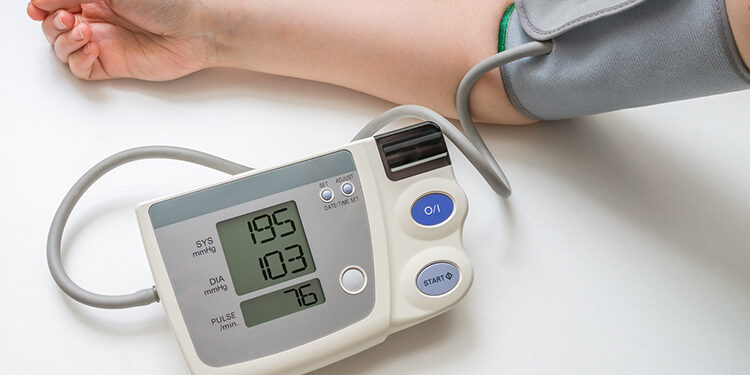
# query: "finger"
35,13
72,41
52,5
85,64
57,23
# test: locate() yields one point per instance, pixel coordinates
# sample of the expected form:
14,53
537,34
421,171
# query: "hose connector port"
412,150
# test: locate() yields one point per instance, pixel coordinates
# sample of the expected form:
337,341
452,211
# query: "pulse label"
225,322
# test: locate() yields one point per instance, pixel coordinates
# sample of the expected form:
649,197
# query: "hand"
153,40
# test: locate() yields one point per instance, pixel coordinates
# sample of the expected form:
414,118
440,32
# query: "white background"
624,250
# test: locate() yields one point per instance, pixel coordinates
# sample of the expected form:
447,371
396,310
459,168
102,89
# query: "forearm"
739,18
405,52
402,51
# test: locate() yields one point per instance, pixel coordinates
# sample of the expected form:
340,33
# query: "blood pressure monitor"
288,269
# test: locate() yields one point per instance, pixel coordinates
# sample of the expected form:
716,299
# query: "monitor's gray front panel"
339,237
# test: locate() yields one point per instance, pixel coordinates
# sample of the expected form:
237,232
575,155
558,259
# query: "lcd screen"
282,302
265,247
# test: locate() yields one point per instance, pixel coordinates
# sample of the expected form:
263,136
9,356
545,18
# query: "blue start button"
432,209
438,279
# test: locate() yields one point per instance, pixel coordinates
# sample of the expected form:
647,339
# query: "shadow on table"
410,342
644,181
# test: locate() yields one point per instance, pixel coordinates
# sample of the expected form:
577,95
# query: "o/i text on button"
432,209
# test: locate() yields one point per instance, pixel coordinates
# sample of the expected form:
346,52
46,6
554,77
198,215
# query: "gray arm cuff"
657,52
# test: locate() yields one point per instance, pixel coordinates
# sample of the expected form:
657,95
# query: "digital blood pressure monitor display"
265,248
270,242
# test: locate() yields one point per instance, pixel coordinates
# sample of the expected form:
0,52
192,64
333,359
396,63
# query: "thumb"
53,5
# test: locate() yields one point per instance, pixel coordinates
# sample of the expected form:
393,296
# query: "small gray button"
326,195
353,280
347,188
438,279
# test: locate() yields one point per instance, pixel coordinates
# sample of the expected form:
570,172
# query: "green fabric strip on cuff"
503,35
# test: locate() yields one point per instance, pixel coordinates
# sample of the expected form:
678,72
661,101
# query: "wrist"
228,29
739,19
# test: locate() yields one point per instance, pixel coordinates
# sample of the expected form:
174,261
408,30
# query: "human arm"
404,52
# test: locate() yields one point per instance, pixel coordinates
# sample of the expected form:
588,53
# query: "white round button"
326,195
347,188
353,280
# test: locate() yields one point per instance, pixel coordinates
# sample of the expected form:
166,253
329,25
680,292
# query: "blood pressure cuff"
615,54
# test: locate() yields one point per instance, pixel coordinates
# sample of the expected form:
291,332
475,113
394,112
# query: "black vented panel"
413,150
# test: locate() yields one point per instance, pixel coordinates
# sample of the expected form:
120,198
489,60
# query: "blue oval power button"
432,209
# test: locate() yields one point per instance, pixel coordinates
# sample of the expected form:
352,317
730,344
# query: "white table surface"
624,250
